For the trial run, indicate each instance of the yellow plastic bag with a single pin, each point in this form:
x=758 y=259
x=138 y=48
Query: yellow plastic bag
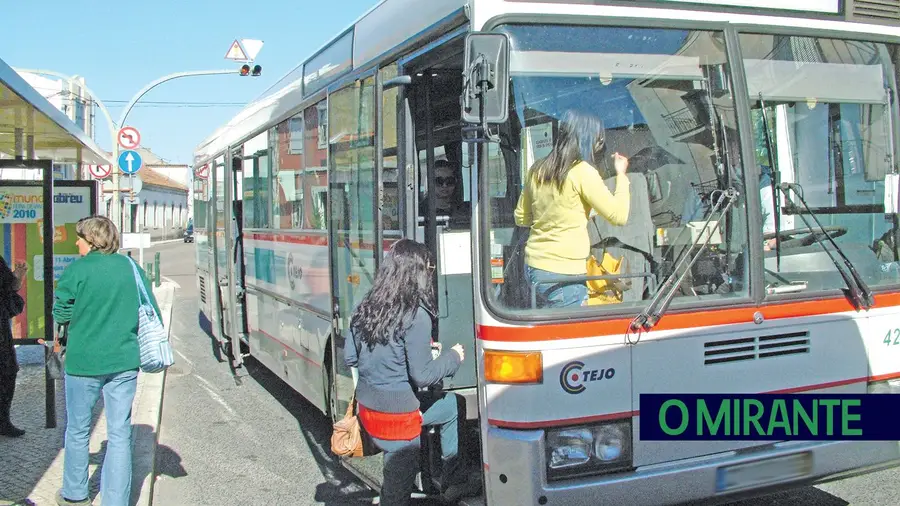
x=604 y=291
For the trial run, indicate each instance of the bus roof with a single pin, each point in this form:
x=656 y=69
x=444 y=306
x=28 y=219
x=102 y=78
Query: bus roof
x=359 y=44
x=388 y=26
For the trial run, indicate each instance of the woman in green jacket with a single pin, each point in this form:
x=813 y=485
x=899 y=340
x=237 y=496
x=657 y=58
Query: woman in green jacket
x=97 y=296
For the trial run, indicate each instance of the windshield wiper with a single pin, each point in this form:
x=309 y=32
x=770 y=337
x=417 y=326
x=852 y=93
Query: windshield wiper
x=649 y=317
x=776 y=216
x=859 y=291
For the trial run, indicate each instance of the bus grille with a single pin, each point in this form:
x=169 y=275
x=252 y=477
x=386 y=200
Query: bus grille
x=202 y=289
x=875 y=11
x=753 y=348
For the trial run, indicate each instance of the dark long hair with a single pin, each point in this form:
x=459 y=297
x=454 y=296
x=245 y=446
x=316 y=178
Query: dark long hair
x=403 y=283
x=580 y=136
x=7 y=278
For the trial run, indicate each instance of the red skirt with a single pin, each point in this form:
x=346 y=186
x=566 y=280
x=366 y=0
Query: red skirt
x=391 y=426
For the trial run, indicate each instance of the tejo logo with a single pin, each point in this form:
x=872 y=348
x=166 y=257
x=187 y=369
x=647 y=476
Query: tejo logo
x=573 y=376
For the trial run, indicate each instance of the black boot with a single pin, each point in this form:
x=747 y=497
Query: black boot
x=7 y=390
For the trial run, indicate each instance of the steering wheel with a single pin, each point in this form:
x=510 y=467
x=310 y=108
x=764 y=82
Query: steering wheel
x=788 y=239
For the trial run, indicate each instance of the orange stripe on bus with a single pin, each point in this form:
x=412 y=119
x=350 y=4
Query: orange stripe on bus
x=677 y=321
x=628 y=414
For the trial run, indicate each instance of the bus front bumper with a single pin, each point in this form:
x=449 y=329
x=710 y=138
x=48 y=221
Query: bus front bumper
x=516 y=472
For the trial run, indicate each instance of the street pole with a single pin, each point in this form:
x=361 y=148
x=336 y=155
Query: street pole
x=134 y=100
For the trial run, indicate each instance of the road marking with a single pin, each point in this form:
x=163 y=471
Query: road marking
x=216 y=397
x=183 y=357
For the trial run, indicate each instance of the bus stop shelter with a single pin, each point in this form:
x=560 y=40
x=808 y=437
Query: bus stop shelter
x=37 y=214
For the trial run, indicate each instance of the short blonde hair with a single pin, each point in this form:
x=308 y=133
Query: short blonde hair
x=99 y=232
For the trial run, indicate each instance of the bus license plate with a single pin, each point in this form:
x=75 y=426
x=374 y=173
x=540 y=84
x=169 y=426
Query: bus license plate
x=763 y=472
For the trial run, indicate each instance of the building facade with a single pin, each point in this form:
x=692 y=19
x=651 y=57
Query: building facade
x=162 y=202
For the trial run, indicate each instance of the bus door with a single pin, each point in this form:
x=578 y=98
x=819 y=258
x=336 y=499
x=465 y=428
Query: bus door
x=237 y=328
x=444 y=209
x=227 y=255
x=217 y=266
x=352 y=235
x=351 y=187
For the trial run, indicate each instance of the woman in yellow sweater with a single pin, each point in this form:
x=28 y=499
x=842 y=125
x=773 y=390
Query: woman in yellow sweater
x=557 y=197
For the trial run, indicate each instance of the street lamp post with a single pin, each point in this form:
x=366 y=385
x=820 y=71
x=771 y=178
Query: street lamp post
x=115 y=172
x=115 y=210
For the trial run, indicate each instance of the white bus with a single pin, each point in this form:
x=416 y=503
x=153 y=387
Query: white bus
x=762 y=140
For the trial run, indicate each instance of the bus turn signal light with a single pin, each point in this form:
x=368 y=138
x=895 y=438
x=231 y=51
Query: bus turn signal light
x=513 y=367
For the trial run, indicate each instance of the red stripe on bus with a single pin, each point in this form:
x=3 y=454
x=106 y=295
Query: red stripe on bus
x=676 y=321
x=313 y=240
x=820 y=386
x=884 y=377
x=309 y=240
x=273 y=338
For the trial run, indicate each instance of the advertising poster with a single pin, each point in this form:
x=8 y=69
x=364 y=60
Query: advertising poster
x=21 y=240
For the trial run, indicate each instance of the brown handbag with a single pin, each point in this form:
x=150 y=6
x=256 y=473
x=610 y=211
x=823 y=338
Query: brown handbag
x=347 y=436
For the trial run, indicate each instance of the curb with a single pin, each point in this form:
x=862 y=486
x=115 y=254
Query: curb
x=147 y=413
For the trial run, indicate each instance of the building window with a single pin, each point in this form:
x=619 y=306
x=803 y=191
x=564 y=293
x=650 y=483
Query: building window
x=295 y=146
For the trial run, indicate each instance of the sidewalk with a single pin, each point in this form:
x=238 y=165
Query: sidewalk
x=31 y=466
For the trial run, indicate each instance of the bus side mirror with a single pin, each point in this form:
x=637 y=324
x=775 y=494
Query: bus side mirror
x=486 y=78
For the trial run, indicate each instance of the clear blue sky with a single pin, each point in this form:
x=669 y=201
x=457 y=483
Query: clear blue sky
x=120 y=46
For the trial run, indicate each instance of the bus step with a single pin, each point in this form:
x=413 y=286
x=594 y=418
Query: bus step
x=472 y=501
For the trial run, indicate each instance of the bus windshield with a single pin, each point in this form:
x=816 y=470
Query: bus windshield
x=664 y=97
x=826 y=103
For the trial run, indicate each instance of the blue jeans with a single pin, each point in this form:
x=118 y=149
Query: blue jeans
x=565 y=294
x=82 y=393
x=401 y=458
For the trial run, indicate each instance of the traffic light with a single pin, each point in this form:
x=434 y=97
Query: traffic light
x=245 y=70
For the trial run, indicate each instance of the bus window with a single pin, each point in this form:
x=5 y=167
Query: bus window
x=257 y=184
x=390 y=204
x=287 y=193
x=314 y=180
x=825 y=103
x=661 y=98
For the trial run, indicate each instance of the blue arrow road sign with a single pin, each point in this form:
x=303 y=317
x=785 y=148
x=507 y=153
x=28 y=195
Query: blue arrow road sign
x=130 y=161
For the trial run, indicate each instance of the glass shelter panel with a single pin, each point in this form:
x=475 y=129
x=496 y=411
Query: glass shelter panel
x=662 y=98
x=826 y=105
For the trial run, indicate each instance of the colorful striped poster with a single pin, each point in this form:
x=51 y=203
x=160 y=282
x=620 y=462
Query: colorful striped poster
x=21 y=240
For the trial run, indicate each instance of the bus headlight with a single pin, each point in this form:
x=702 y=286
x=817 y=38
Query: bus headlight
x=588 y=450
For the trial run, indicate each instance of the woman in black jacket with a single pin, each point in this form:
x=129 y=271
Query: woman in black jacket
x=11 y=304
